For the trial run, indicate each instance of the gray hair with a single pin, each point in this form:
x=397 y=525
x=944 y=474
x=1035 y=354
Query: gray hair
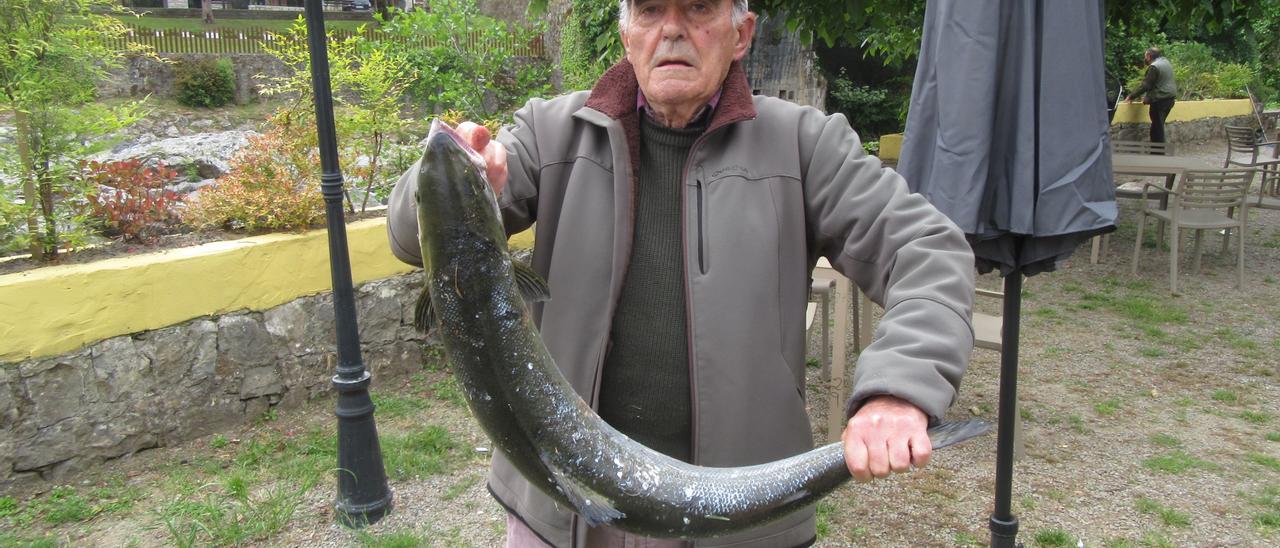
x=739 y=12
x=1154 y=52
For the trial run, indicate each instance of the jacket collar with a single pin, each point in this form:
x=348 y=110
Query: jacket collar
x=614 y=95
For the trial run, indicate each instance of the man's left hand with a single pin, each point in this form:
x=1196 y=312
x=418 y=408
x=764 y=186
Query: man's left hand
x=887 y=434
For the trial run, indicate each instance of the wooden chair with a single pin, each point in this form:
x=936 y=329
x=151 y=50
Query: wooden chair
x=1244 y=148
x=1197 y=199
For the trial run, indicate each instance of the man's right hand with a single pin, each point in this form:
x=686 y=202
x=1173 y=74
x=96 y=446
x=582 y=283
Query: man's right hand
x=493 y=153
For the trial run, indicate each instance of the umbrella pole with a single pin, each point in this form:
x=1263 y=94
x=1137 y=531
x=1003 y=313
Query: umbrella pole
x=1004 y=525
x=363 y=495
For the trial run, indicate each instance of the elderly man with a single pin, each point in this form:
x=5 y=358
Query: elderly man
x=678 y=219
x=1158 y=89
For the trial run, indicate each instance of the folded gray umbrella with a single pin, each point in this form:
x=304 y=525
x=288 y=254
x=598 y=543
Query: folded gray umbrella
x=1007 y=135
x=1007 y=132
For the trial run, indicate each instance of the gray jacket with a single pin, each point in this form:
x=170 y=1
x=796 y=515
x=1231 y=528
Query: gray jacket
x=769 y=188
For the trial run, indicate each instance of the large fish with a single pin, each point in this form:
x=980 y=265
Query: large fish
x=473 y=296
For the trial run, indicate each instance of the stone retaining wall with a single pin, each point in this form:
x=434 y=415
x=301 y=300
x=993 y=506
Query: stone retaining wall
x=141 y=76
x=1186 y=131
x=124 y=394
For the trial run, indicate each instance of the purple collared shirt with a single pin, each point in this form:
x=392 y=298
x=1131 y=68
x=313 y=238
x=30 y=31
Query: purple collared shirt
x=642 y=104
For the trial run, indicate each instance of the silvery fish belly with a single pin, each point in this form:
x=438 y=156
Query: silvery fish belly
x=475 y=297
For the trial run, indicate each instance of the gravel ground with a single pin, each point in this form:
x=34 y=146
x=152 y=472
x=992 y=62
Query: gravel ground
x=1148 y=420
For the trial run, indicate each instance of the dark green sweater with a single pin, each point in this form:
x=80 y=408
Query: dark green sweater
x=644 y=390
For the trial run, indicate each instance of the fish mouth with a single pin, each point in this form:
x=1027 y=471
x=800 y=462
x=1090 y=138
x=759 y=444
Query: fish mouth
x=442 y=130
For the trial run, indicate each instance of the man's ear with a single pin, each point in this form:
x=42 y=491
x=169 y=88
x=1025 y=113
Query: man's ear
x=746 y=31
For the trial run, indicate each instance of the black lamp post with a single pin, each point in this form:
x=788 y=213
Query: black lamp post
x=363 y=496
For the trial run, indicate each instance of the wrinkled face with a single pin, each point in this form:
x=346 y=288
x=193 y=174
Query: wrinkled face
x=682 y=49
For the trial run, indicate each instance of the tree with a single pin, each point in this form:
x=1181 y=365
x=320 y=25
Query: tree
x=206 y=11
x=54 y=52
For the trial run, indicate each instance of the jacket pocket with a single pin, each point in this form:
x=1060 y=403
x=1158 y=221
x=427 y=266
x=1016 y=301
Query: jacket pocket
x=701 y=201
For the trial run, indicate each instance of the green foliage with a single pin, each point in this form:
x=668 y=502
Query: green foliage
x=272 y=185
x=130 y=199
x=589 y=42
x=369 y=79
x=55 y=52
x=871 y=111
x=463 y=59
x=204 y=82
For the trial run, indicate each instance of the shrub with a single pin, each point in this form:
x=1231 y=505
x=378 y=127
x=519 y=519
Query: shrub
x=871 y=111
x=204 y=82
x=130 y=199
x=272 y=184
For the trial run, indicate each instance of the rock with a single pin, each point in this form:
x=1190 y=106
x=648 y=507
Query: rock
x=189 y=187
x=208 y=155
x=260 y=381
x=123 y=373
x=183 y=355
x=55 y=443
x=58 y=393
x=243 y=344
x=378 y=309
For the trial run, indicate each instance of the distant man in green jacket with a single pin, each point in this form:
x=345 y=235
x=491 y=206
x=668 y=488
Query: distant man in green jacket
x=1159 y=88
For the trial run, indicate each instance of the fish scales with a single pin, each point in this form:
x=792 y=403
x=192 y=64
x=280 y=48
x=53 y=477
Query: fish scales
x=534 y=416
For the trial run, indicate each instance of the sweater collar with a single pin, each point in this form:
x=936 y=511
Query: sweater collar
x=615 y=94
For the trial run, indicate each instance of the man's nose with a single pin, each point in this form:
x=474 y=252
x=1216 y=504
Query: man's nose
x=673 y=24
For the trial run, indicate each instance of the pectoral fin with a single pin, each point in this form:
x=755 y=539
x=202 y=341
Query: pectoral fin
x=532 y=287
x=424 y=316
x=594 y=508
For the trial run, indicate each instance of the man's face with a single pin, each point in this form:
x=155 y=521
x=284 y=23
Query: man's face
x=682 y=49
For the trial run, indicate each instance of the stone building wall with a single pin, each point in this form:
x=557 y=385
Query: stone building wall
x=780 y=66
x=125 y=394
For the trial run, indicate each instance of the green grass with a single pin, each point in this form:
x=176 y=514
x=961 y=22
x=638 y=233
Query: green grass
x=825 y=510
x=1177 y=462
x=420 y=453
x=1225 y=396
x=11 y=540
x=395 y=539
x=391 y=407
x=234 y=511
x=1165 y=440
x=1107 y=407
x=965 y=538
x=1264 y=460
x=219 y=441
x=1268 y=502
x=1056 y=538
x=1167 y=515
x=1256 y=417
x=447 y=390
x=1273 y=436
x=1156 y=539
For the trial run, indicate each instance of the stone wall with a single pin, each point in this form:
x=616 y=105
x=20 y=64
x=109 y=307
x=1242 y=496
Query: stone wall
x=141 y=76
x=124 y=394
x=1189 y=131
x=781 y=66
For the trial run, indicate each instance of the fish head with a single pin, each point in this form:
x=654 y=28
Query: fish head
x=455 y=201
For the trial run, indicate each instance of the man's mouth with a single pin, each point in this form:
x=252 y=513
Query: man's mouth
x=673 y=63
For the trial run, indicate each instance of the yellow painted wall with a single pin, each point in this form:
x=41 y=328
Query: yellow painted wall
x=890 y=147
x=57 y=309
x=1183 y=111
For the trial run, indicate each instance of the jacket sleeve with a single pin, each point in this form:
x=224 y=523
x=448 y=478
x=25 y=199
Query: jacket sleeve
x=1148 y=83
x=517 y=200
x=904 y=254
